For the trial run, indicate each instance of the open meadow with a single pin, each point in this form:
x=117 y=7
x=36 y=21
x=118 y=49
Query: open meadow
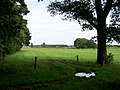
x=55 y=69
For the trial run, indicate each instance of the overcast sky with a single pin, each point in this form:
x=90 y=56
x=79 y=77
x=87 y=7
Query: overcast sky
x=52 y=30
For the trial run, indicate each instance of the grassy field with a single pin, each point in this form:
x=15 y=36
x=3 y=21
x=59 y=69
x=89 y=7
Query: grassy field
x=56 y=68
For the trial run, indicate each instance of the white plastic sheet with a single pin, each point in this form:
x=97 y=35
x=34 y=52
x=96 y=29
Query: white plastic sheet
x=87 y=75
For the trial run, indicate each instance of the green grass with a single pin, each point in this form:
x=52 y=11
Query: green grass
x=56 y=69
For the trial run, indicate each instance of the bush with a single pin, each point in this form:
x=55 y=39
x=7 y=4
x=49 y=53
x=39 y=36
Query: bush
x=110 y=58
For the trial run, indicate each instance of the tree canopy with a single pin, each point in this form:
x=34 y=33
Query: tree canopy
x=92 y=14
x=84 y=43
x=13 y=27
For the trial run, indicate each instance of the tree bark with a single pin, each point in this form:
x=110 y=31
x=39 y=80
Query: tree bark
x=101 y=51
x=101 y=31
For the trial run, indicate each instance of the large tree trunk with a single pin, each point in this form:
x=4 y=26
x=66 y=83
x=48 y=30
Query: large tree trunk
x=101 y=52
x=101 y=33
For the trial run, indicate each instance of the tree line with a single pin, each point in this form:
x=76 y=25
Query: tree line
x=13 y=27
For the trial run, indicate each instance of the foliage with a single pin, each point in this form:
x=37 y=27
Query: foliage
x=31 y=45
x=43 y=45
x=92 y=14
x=113 y=33
x=91 y=44
x=84 y=43
x=13 y=32
x=110 y=57
x=84 y=11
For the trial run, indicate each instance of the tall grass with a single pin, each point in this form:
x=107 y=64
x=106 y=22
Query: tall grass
x=56 y=69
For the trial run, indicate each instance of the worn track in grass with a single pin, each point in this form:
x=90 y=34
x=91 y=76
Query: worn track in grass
x=38 y=85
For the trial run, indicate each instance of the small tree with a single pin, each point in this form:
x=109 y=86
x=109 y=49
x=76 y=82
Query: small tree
x=43 y=45
x=31 y=45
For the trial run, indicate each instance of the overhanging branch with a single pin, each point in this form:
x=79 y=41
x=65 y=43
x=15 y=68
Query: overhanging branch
x=107 y=7
x=92 y=23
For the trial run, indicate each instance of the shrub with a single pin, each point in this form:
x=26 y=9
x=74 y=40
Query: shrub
x=110 y=58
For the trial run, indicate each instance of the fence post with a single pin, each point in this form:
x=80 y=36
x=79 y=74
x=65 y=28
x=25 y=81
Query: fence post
x=35 y=63
x=77 y=58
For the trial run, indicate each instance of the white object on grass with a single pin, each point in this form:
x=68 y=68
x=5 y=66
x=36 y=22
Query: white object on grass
x=87 y=75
